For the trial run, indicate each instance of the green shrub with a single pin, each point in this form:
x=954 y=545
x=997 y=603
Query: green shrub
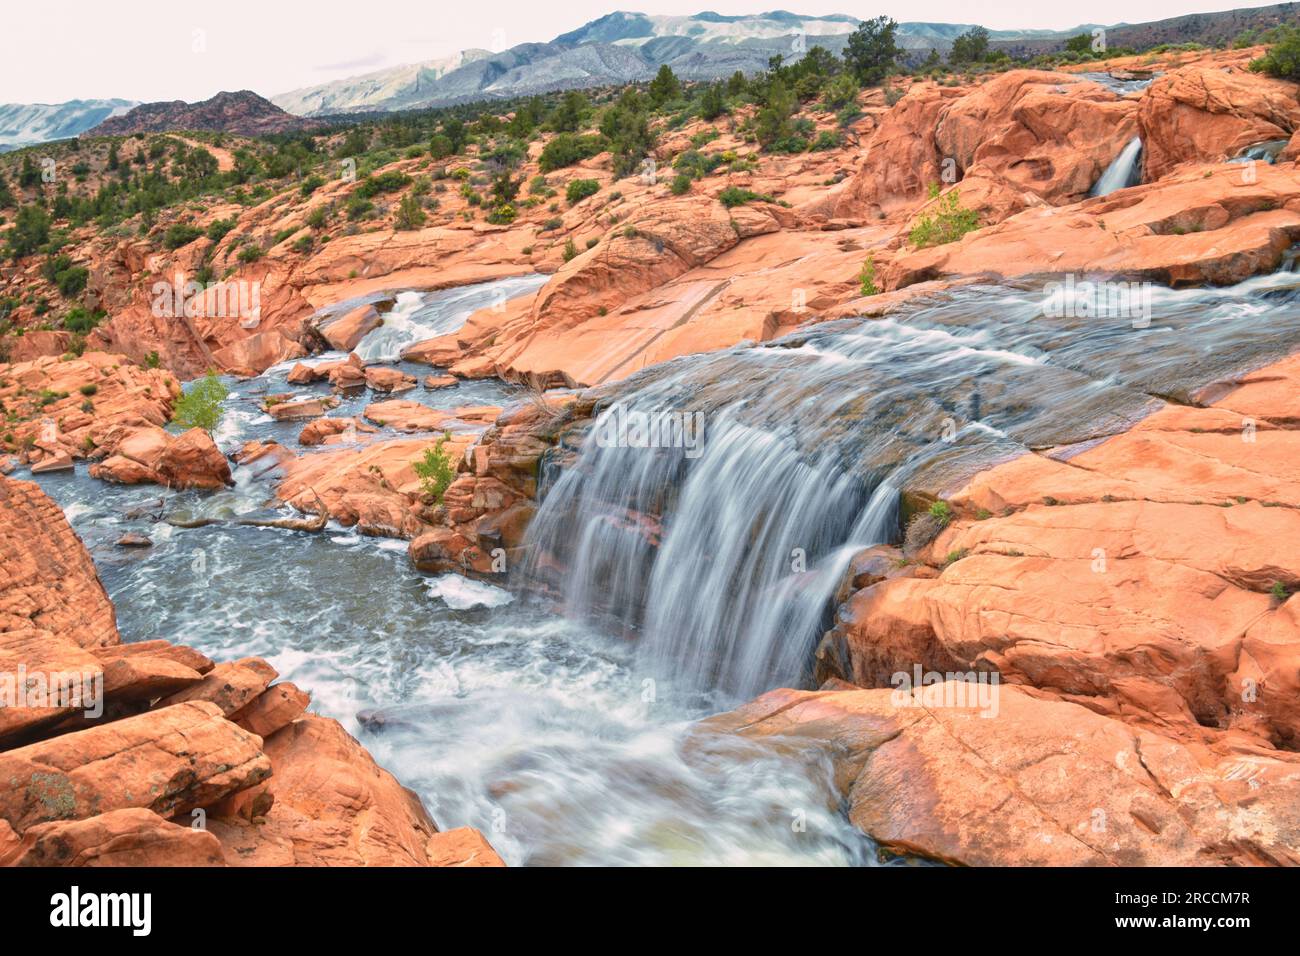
x=152 y=360
x=681 y=184
x=580 y=189
x=942 y=511
x=435 y=471
x=1283 y=58
x=200 y=407
x=410 y=215
x=867 y=278
x=250 y=253
x=570 y=250
x=734 y=196
x=388 y=182
x=568 y=148
x=79 y=320
x=316 y=218
x=947 y=222
x=180 y=234
x=218 y=228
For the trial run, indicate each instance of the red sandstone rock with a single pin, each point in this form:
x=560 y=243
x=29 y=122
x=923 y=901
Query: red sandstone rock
x=1200 y=114
x=168 y=761
x=382 y=379
x=347 y=331
x=129 y=837
x=149 y=454
x=1012 y=779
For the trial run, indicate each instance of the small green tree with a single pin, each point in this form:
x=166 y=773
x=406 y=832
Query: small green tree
x=410 y=216
x=867 y=278
x=665 y=87
x=435 y=470
x=971 y=47
x=871 y=50
x=200 y=407
x=30 y=231
x=772 y=125
x=713 y=102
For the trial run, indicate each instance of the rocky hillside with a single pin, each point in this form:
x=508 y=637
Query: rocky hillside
x=244 y=112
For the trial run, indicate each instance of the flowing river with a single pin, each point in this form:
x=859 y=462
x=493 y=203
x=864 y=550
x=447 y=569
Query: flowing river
x=564 y=734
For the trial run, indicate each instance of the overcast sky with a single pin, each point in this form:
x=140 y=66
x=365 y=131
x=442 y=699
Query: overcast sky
x=174 y=49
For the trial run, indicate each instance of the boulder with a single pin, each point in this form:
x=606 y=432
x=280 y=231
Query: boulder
x=127 y=837
x=382 y=379
x=1200 y=114
x=147 y=453
x=168 y=760
x=1000 y=777
x=346 y=332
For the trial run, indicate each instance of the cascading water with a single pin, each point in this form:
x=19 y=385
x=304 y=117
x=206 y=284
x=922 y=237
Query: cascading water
x=416 y=316
x=1124 y=171
x=566 y=745
x=725 y=562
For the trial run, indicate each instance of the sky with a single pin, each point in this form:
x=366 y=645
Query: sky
x=176 y=49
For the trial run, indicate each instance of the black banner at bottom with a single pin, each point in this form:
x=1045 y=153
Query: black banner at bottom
x=136 y=906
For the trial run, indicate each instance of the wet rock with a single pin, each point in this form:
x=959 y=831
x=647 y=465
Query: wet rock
x=61 y=461
x=276 y=707
x=1013 y=779
x=333 y=806
x=47 y=580
x=432 y=382
x=148 y=454
x=1135 y=578
x=302 y=408
x=181 y=654
x=133 y=539
x=346 y=332
x=382 y=379
x=322 y=429
x=463 y=846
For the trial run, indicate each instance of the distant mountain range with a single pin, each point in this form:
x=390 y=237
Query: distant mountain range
x=23 y=124
x=616 y=48
x=243 y=112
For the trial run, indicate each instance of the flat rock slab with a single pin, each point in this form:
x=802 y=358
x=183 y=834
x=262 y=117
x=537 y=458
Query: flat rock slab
x=168 y=760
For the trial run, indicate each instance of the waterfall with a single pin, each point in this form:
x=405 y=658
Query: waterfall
x=722 y=561
x=1125 y=171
